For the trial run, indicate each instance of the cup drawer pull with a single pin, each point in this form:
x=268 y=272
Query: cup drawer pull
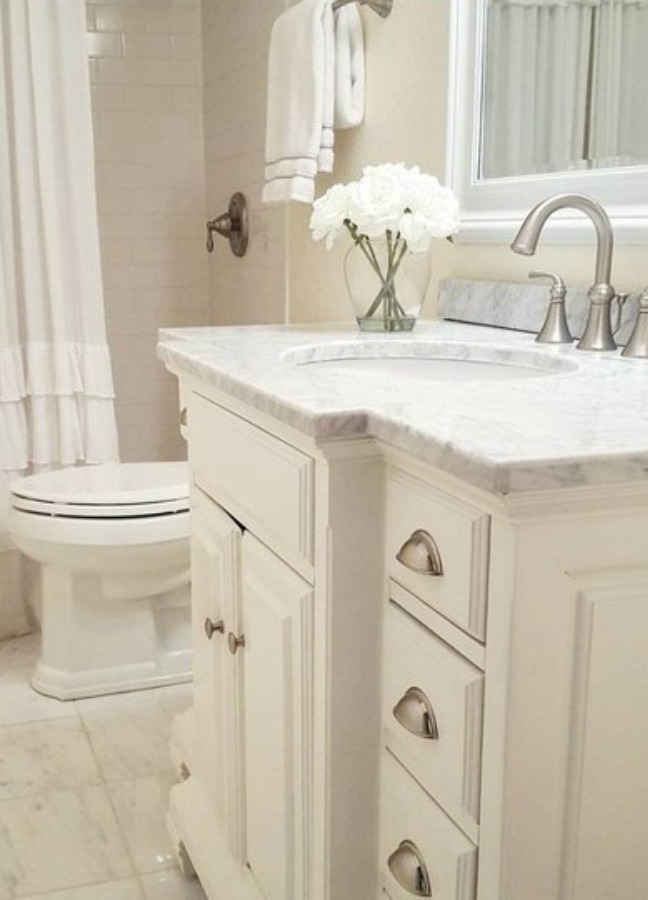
x=408 y=868
x=414 y=712
x=421 y=554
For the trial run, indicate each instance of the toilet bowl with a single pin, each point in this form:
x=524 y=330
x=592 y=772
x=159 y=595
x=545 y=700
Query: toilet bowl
x=112 y=542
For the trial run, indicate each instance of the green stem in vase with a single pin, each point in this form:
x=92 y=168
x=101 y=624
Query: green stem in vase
x=393 y=313
x=388 y=290
x=363 y=242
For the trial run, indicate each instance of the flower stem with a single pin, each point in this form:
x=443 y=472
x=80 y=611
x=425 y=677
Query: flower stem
x=392 y=311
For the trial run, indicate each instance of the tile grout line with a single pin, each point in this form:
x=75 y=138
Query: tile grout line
x=105 y=784
x=102 y=782
x=46 y=721
x=76 y=887
x=136 y=874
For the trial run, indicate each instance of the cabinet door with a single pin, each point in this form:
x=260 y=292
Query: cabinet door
x=277 y=611
x=215 y=565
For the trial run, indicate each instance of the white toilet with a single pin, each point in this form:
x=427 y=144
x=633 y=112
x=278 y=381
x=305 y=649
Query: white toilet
x=113 y=545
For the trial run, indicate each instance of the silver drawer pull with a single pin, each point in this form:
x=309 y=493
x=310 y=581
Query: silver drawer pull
x=421 y=554
x=408 y=868
x=183 y=416
x=414 y=712
x=212 y=627
x=234 y=642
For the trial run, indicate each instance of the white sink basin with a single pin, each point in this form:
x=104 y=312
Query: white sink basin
x=415 y=360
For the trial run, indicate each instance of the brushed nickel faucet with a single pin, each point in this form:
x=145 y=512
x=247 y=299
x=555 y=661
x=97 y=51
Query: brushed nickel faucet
x=598 y=329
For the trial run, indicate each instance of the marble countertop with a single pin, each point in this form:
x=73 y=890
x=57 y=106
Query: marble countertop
x=583 y=421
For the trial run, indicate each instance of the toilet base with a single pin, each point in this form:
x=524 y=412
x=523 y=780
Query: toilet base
x=98 y=640
x=173 y=668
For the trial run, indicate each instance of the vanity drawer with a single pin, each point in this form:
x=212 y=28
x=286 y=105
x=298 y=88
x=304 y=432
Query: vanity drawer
x=437 y=547
x=432 y=715
x=412 y=827
x=263 y=482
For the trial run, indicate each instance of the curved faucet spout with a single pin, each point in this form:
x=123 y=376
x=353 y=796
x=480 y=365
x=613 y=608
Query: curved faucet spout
x=598 y=330
x=526 y=240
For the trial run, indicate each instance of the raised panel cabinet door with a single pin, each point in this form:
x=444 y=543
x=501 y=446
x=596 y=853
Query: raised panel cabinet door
x=278 y=629
x=215 y=569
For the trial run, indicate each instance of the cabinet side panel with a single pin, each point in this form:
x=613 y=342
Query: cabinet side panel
x=354 y=595
x=608 y=775
x=575 y=726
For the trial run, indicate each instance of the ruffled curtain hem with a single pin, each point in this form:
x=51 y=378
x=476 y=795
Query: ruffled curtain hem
x=41 y=369
x=62 y=430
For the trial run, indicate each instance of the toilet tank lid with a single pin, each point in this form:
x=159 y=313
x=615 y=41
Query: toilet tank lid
x=116 y=483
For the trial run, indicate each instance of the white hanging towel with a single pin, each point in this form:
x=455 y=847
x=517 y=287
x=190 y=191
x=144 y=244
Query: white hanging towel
x=349 y=68
x=302 y=97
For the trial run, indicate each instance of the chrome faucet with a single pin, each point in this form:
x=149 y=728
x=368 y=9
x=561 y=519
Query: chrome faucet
x=598 y=330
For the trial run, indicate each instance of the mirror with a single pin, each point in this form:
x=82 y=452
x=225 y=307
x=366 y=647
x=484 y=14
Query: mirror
x=548 y=96
x=564 y=86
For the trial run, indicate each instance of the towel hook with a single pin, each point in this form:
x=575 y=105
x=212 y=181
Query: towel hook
x=233 y=225
x=382 y=7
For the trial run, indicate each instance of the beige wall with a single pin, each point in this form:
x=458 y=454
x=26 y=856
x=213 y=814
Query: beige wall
x=236 y=34
x=146 y=74
x=407 y=58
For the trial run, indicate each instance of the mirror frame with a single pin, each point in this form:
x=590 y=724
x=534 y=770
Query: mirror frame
x=493 y=209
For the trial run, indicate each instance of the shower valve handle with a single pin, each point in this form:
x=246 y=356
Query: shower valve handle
x=233 y=225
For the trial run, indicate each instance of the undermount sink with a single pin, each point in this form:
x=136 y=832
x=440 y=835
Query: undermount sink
x=420 y=360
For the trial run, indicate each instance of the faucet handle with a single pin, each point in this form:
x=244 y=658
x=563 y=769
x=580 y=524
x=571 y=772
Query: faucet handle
x=637 y=346
x=618 y=302
x=558 y=290
x=555 y=329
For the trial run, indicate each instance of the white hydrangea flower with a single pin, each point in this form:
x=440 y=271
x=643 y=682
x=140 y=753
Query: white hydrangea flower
x=410 y=204
x=329 y=214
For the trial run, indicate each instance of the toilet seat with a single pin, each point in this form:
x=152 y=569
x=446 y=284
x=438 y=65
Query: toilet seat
x=118 y=491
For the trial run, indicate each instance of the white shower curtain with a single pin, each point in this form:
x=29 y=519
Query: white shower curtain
x=56 y=390
x=56 y=406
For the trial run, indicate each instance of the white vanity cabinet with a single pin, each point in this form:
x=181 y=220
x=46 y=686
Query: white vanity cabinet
x=252 y=626
x=279 y=754
x=405 y=685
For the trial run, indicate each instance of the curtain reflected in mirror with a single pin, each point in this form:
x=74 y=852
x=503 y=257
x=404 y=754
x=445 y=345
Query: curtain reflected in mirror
x=565 y=86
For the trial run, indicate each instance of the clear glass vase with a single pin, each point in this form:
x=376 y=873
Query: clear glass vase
x=387 y=284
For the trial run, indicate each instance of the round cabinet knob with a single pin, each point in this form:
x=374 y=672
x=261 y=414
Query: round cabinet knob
x=408 y=868
x=234 y=642
x=421 y=554
x=414 y=712
x=212 y=627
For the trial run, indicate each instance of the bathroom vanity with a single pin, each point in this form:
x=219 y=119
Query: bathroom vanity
x=420 y=597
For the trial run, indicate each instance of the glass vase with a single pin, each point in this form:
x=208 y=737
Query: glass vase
x=387 y=284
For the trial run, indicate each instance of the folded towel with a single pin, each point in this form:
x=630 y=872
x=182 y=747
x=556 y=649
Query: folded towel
x=302 y=78
x=349 y=68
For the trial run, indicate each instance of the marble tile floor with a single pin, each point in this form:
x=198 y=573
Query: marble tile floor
x=83 y=791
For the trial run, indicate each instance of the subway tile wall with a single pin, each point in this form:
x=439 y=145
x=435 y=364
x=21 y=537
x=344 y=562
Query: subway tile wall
x=236 y=35
x=145 y=60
